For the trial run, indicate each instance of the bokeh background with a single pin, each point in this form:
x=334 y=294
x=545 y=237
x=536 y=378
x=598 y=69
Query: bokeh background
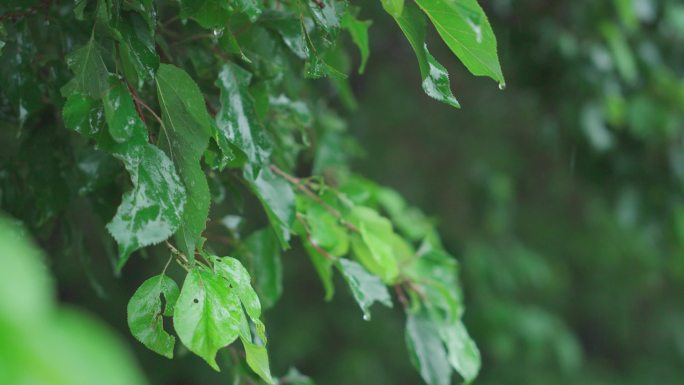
x=561 y=197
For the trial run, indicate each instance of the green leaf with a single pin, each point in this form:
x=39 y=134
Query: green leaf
x=327 y=14
x=257 y=359
x=435 y=77
x=358 y=30
x=90 y=72
x=137 y=49
x=463 y=356
x=291 y=31
x=464 y=27
x=152 y=211
x=145 y=313
x=326 y=230
x=207 y=315
x=185 y=135
x=237 y=121
x=278 y=199
x=232 y=270
x=84 y=115
x=393 y=7
x=426 y=349
x=208 y=13
x=263 y=249
x=366 y=288
x=120 y=113
x=373 y=247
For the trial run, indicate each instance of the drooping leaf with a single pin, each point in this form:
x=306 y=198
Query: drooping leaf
x=235 y=273
x=373 y=246
x=463 y=354
x=393 y=7
x=366 y=288
x=435 y=77
x=208 y=314
x=328 y=14
x=464 y=27
x=237 y=121
x=152 y=211
x=185 y=135
x=358 y=29
x=257 y=359
x=291 y=31
x=120 y=114
x=426 y=349
x=263 y=249
x=90 y=72
x=138 y=56
x=278 y=199
x=145 y=313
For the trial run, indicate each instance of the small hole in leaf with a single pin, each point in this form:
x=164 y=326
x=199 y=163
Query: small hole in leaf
x=195 y=300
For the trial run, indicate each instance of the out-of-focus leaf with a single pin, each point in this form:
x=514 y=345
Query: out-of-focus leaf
x=373 y=246
x=263 y=249
x=426 y=349
x=393 y=7
x=366 y=288
x=208 y=13
x=145 y=313
x=463 y=354
x=257 y=359
x=358 y=29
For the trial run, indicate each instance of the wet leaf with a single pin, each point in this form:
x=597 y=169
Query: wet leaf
x=263 y=249
x=145 y=314
x=435 y=77
x=90 y=72
x=464 y=27
x=366 y=288
x=185 y=135
x=207 y=315
x=278 y=199
x=358 y=29
x=426 y=349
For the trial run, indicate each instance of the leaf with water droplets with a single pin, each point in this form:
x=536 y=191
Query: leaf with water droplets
x=145 y=313
x=151 y=211
x=435 y=77
x=238 y=125
x=120 y=113
x=366 y=287
x=137 y=51
x=232 y=270
x=464 y=27
x=185 y=134
x=90 y=72
x=208 y=314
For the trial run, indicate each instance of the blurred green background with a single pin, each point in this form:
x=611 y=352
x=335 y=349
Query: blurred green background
x=560 y=196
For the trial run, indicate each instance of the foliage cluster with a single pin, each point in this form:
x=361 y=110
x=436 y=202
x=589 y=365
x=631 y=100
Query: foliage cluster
x=177 y=130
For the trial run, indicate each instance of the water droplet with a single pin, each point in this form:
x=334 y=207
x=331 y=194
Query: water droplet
x=218 y=32
x=502 y=86
x=366 y=317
